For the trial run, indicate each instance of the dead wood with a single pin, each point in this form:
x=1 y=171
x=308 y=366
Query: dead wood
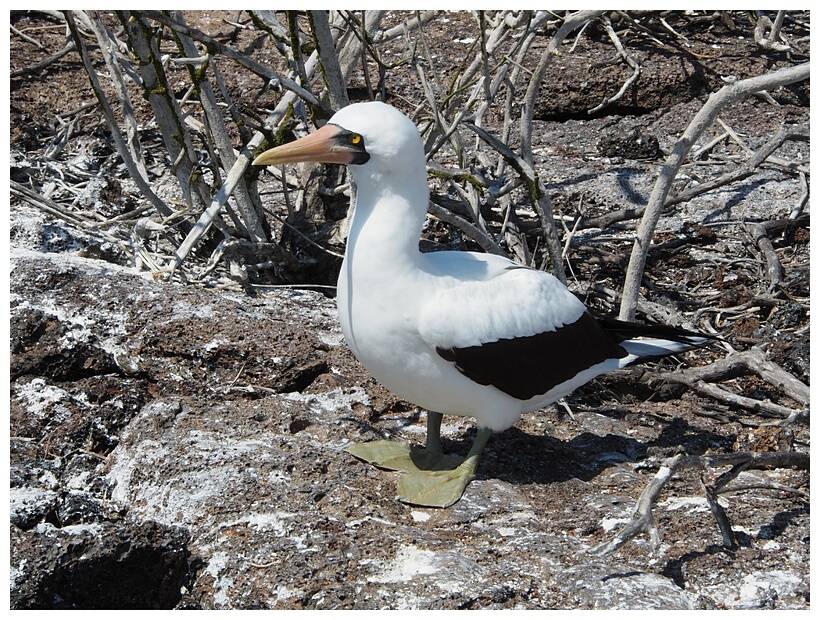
x=752 y=361
x=642 y=520
x=45 y=63
x=119 y=140
x=662 y=187
x=744 y=170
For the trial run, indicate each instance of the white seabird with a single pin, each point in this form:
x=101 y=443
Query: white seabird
x=457 y=333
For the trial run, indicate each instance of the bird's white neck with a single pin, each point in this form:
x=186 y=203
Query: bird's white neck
x=388 y=216
x=382 y=244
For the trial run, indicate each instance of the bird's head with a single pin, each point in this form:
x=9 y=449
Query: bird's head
x=374 y=136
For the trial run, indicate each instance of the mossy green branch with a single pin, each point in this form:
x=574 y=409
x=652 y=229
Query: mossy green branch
x=458 y=174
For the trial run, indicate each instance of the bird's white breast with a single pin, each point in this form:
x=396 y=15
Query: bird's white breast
x=383 y=313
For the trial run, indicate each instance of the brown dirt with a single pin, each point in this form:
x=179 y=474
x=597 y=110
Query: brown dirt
x=173 y=446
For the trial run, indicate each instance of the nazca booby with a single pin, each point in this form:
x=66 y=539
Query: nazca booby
x=458 y=333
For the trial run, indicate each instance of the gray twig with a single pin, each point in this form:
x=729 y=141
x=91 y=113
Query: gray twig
x=636 y=69
x=657 y=198
x=122 y=146
x=753 y=361
x=642 y=520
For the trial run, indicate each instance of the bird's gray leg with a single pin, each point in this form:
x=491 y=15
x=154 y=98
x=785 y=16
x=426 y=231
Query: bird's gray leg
x=433 y=442
x=482 y=437
x=404 y=457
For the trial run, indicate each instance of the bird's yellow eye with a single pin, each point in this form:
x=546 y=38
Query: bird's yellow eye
x=355 y=138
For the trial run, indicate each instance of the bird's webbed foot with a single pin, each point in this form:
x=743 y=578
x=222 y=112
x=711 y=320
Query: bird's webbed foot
x=400 y=456
x=428 y=477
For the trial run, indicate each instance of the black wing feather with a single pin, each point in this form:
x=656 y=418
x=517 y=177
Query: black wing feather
x=533 y=365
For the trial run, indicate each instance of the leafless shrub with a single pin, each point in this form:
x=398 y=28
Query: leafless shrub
x=477 y=122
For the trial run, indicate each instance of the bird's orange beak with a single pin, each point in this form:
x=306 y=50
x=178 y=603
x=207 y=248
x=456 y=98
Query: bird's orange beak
x=326 y=145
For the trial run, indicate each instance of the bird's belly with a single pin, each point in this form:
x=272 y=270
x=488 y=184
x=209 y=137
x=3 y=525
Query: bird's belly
x=382 y=331
x=409 y=368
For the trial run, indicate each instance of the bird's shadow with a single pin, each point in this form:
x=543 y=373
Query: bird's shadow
x=518 y=457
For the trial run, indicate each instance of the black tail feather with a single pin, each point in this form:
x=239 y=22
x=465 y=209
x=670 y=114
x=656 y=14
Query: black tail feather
x=625 y=330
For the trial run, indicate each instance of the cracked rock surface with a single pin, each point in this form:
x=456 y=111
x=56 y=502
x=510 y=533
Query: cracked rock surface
x=180 y=447
x=162 y=456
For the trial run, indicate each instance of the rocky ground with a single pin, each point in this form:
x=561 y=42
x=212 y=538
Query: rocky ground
x=179 y=446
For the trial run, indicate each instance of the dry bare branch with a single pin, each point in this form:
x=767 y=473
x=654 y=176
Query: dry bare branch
x=703 y=119
x=752 y=361
x=537 y=195
x=331 y=71
x=572 y=22
x=636 y=69
x=219 y=48
x=747 y=168
x=771 y=42
x=352 y=46
x=480 y=237
x=642 y=520
x=764 y=244
x=121 y=143
x=218 y=134
x=233 y=178
x=45 y=63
